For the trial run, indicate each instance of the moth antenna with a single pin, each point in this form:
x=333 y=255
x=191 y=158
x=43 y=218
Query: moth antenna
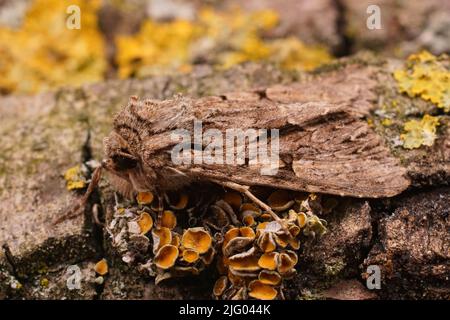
x=177 y=171
x=80 y=205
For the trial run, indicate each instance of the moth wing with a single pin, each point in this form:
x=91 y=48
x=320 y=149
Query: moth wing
x=322 y=148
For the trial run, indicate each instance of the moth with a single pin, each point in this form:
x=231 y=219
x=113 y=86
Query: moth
x=323 y=147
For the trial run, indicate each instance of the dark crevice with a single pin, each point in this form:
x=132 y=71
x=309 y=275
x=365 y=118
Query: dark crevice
x=10 y=260
x=95 y=200
x=346 y=43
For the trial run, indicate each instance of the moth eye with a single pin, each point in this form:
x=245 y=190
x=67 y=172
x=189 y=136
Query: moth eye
x=124 y=161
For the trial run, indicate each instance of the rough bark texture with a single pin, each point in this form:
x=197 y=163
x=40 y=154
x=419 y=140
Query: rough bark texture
x=42 y=136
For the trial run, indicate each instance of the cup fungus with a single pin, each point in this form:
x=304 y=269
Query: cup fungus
x=197 y=239
x=166 y=256
x=144 y=197
x=261 y=291
x=145 y=222
x=101 y=267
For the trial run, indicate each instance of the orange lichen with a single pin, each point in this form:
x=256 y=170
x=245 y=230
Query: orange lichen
x=266 y=242
x=166 y=256
x=269 y=277
x=181 y=203
x=245 y=261
x=145 y=222
x=234 y=199
x=101 y=267
x=190 y=255
x=261 y=291
x=250 y=207
x=197 y=239
x=168 y=219
x=229 y=235
x=280 y=200
x=144 y=197
x=208 y=256
x=220 y=286
x=269 y=260
x=247 y=232
x=301 y=219
x=286 y=261
x=176 y=241
x=161 y=237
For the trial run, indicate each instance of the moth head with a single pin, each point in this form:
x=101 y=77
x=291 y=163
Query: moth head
x=119 y=157
x=125 y=170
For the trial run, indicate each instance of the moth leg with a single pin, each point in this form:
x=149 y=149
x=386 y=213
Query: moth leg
x=78 y=208
x=246 y=191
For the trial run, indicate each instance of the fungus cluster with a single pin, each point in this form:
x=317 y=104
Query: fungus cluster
x=253 y=253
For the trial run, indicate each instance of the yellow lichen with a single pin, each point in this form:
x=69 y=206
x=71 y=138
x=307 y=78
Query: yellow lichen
x=74 y=178
x=222 y=38
x=418 y=133
x=425 y=76
x=43 y=53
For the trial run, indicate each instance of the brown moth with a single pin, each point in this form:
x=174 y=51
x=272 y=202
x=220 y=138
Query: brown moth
x=323 y=147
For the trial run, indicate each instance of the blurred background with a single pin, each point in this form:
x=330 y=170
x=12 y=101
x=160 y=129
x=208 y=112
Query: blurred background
x=141 y=38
